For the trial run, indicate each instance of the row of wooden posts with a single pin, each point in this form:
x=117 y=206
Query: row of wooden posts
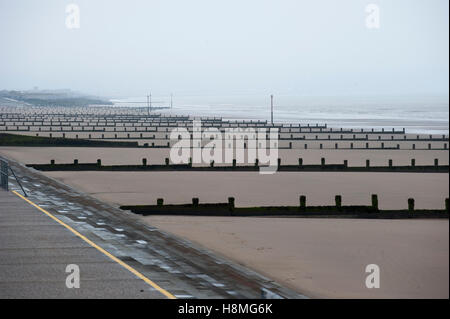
x=302 y=198
x=300 y=162
x=336 y=146
x=354 y=137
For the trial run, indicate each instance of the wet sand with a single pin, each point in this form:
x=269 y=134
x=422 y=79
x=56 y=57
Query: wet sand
x=326 y=258
x=251 y=188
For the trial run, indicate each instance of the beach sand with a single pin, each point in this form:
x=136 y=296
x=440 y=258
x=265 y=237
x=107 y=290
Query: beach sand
x=326 y=258
x=134 y=156
x=251 y=188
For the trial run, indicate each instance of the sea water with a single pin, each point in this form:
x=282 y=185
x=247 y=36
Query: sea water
x=417 y=114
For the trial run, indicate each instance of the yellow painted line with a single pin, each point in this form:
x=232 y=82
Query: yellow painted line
x=90 y=242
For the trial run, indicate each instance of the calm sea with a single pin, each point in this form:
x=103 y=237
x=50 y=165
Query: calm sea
x=421 y=114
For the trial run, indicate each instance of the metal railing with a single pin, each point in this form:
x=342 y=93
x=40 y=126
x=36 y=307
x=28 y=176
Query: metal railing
x=4 y=167
x=3 y=174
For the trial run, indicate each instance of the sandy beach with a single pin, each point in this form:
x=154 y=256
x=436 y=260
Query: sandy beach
x=134 y=156
x=326 y=258
x=252 y=188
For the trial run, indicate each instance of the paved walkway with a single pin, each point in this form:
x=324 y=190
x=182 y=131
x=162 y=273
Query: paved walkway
x=34 y=251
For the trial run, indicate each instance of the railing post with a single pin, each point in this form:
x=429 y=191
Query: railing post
x=4 y=174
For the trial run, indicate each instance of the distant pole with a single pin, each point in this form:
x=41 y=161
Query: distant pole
x=150 y=96
x=171 y=98
x=271 y=109
x=148 y=105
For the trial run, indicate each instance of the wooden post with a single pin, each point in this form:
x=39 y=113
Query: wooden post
x=375 y=201
x=338 y=200
x=302 y=201
x=411 y=204
x=231 y=203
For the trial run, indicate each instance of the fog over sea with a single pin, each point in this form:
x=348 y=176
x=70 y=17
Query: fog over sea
x=419 y=114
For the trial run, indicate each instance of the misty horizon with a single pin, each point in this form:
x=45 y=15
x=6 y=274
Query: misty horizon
x=321 y=48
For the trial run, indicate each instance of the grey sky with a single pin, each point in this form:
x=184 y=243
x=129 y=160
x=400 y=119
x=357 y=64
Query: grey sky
x=314 y=47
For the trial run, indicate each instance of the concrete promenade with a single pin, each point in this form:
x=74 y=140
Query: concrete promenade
x=35 y=251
